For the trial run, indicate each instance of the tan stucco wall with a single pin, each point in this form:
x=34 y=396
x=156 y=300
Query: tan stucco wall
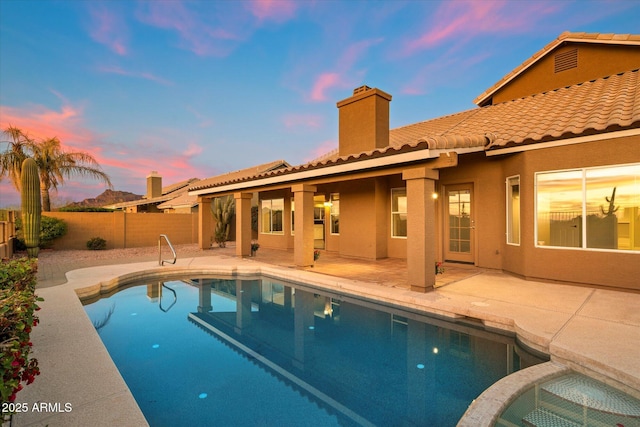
x=594 y=61
x=488 y=204
x=488 y=175
x=283 y=240
x=396 y=247
x=363 y=228
x=124 y=230
x=617 y=269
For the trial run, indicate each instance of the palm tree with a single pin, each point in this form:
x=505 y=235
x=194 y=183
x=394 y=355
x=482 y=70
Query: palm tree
x=11 y=160
x=56 y=164
x=53 y=162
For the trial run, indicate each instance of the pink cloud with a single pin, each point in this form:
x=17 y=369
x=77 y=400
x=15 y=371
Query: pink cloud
x=456 y=20
x=323 y=83
x=355 y=51
x=302 y=120
x=192 y=150
x=127 y=163
x=198 y=31
x=343 y=76
x=322 y=149
x=108 y=28
x=40 y=122
x=440 y=73
x=275 y=10
x=141 y=75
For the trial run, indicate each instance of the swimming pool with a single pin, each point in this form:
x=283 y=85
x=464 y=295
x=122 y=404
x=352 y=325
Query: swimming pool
x=258 y=351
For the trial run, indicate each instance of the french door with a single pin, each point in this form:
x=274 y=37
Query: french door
x=459 y=224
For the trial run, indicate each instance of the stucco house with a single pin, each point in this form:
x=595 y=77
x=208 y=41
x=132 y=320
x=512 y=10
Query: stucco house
x=541 y=180
x=172 y=198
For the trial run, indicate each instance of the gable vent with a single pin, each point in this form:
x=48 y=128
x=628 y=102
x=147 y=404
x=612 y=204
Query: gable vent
x=566 y=60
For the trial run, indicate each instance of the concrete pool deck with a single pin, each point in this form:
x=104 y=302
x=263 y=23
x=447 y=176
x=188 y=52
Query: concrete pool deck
x=593 y=331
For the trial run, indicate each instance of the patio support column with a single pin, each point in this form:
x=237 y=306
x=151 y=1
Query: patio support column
x=303 y=239
x=421 y=253
x=205 y=223
x=243 y=223
x=204 y=297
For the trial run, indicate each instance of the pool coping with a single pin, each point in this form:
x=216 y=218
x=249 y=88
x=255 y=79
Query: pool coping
x=67 y=345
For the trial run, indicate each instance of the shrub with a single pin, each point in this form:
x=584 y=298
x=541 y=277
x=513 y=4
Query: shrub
x=17 y=307
x=96 y=244
x=50 y=229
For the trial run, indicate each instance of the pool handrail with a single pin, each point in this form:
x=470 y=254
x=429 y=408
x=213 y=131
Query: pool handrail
x=160 y=260
x=175 y=298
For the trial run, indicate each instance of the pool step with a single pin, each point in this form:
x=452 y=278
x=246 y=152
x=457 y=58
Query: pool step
x=544 y=418
x=588 y=393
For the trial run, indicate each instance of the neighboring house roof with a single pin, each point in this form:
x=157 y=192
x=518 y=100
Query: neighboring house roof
x=602 y=105
x=620 y=39
x=183 y=200
x=240 y=174
x=168 y=193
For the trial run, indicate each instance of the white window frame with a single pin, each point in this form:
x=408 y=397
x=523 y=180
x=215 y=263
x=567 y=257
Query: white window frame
x=270 y=201
x=293 y=209
x=395 y=190
x=509 y=210
x=333 y=197
x=584 y=210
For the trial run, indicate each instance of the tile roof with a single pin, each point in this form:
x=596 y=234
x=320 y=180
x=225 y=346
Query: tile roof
x=598 y=106
x=563 y=38
x=240 y=174
x=168 y=192
x=183 y=199
x=586 y=108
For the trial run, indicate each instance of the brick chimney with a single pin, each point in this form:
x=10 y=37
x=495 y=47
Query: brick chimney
x=363 y=121
x=154 y=185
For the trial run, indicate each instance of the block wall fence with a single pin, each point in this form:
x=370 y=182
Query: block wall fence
x=125 y=230
x=7 y=232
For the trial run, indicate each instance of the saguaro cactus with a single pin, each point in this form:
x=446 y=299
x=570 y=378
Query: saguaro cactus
x=31 y=206
x=222 y=209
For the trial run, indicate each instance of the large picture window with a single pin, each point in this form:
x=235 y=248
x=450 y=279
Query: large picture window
x=591 y=208
x=334 y=213
x=272 y=216
x=513 y=210
x=399 y=212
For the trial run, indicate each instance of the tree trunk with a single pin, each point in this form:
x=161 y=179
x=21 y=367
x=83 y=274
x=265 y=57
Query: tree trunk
x=46 y=202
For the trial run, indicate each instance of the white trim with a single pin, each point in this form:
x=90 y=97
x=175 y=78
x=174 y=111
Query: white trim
x=331 y=233
x=385 y=161
x=322 y=171
x=260 y=220
x=562 y=142
x=508 y=209
x=396 y=189
x=583 y=171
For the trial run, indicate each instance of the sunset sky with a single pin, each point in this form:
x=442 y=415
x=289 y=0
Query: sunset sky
x=195 y=89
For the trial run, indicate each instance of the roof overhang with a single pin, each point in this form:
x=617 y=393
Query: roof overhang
x=335 y=170
x=561 y=142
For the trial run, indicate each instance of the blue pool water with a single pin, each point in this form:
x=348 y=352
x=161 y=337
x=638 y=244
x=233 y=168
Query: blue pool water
x=260 y=352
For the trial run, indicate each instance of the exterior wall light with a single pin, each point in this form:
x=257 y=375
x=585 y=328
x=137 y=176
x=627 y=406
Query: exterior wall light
x=434 y=196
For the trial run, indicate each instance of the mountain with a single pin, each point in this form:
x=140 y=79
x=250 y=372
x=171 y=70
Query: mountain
x=109 y=197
